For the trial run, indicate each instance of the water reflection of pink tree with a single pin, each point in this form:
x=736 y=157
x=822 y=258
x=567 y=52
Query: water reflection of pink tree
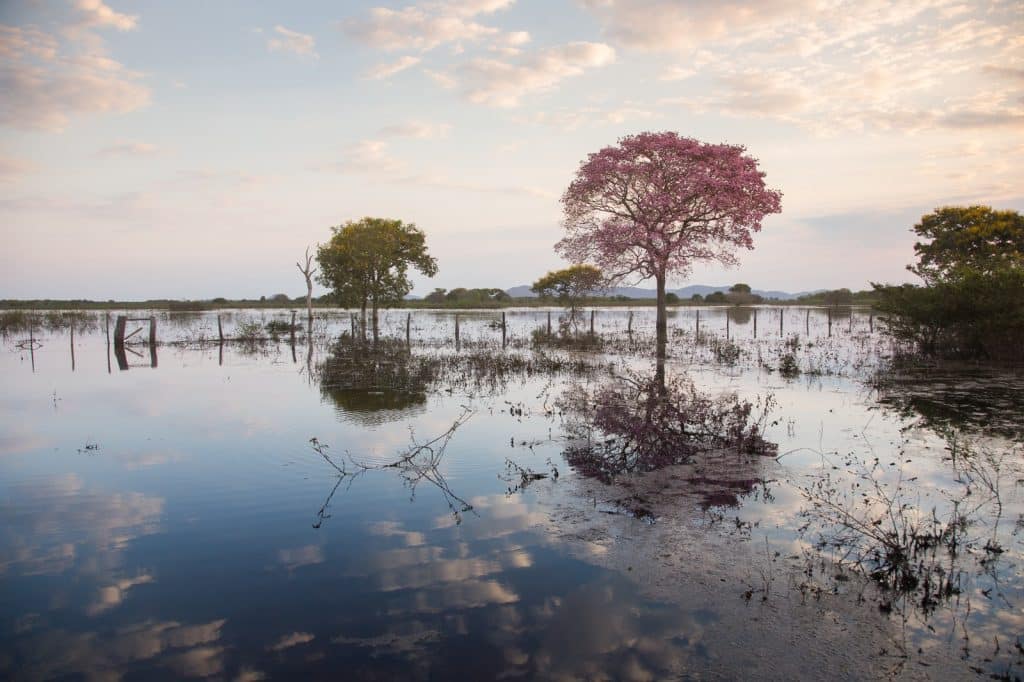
x=637 y=423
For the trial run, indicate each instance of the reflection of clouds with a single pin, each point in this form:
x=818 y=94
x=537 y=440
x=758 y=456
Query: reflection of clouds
x=111 y=596
x=292 y=639
x=296 y=557
x=44 y=529
x=386 y=528
x=187 y=650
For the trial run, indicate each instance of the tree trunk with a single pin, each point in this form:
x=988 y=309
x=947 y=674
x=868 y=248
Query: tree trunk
x=309 y=304
x=362 y=326
x=375 y=325
x=661 y=323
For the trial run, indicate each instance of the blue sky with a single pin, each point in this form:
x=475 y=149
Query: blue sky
x=194 y=149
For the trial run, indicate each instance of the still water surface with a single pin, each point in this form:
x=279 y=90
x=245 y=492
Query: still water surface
x=175 y=521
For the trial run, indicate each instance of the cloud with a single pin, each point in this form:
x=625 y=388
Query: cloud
x=427 y=25
x=94 y=13
x=287 y=40
x=373 y=158
x=12 y=169
x=503 y=84
x=388 y=69
x=574 y=119
x=416 y=129
x=47 y=81
x=128 y=149
x=680 y=25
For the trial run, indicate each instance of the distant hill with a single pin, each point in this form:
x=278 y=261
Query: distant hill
x=523 y=291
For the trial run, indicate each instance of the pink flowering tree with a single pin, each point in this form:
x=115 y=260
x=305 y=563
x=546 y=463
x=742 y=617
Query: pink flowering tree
x=656 y=203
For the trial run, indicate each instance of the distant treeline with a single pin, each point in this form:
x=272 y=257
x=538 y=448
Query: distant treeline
x=439 y=298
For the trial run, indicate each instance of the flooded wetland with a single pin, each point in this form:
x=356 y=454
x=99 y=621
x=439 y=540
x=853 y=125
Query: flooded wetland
x=474 y=497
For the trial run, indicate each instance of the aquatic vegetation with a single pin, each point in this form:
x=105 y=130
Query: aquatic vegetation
x=639 y=423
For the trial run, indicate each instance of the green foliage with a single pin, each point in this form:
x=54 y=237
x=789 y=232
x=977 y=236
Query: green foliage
x=570 y=286
x=977 y=238
x=697 y=298
x=973 y=301
x=838 y=297
x=671 y=298
x=739 y=288
x=716 y=297
x=367 y=262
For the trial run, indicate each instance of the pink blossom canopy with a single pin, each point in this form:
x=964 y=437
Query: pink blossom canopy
x=657 y=202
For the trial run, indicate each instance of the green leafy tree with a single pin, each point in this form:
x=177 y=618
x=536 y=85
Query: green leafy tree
x=569 y=287
x=978 y=238
x=972 y=304
x=366 y=264
x=436 y=296
x=838 y=297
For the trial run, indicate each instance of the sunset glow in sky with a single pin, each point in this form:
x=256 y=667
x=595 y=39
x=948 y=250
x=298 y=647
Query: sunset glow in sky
x=194 y=149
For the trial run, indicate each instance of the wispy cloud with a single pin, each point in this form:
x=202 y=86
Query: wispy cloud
x=388 y=69
x=500 y=83
x=427 y=25
x=128 y=149
x=416 y=129
x=287 y=40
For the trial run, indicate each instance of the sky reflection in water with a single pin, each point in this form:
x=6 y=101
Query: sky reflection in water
x=172 y=521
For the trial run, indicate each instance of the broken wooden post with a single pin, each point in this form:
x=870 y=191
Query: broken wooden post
x=106 y=324
x=504 y=330
x=119 y=327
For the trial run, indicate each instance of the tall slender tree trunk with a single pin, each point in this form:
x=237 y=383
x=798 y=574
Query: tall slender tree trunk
x=375 y=323
x=661 y=324
x=362 y=325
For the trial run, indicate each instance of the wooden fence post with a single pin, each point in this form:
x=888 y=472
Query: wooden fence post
x=829 y=311
x=408 y=329
x=781 y=315
x=456 y=329
x=591 y=321
x=504 y=329
x=629 y=325
x=755 y=323
x=726 y=324
x=807 y=331
x=871 y=321
x=696 y=334
x=152 y=330
x=220 y=330
x=549 y=323
x=72 y=345
x=106 y=324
